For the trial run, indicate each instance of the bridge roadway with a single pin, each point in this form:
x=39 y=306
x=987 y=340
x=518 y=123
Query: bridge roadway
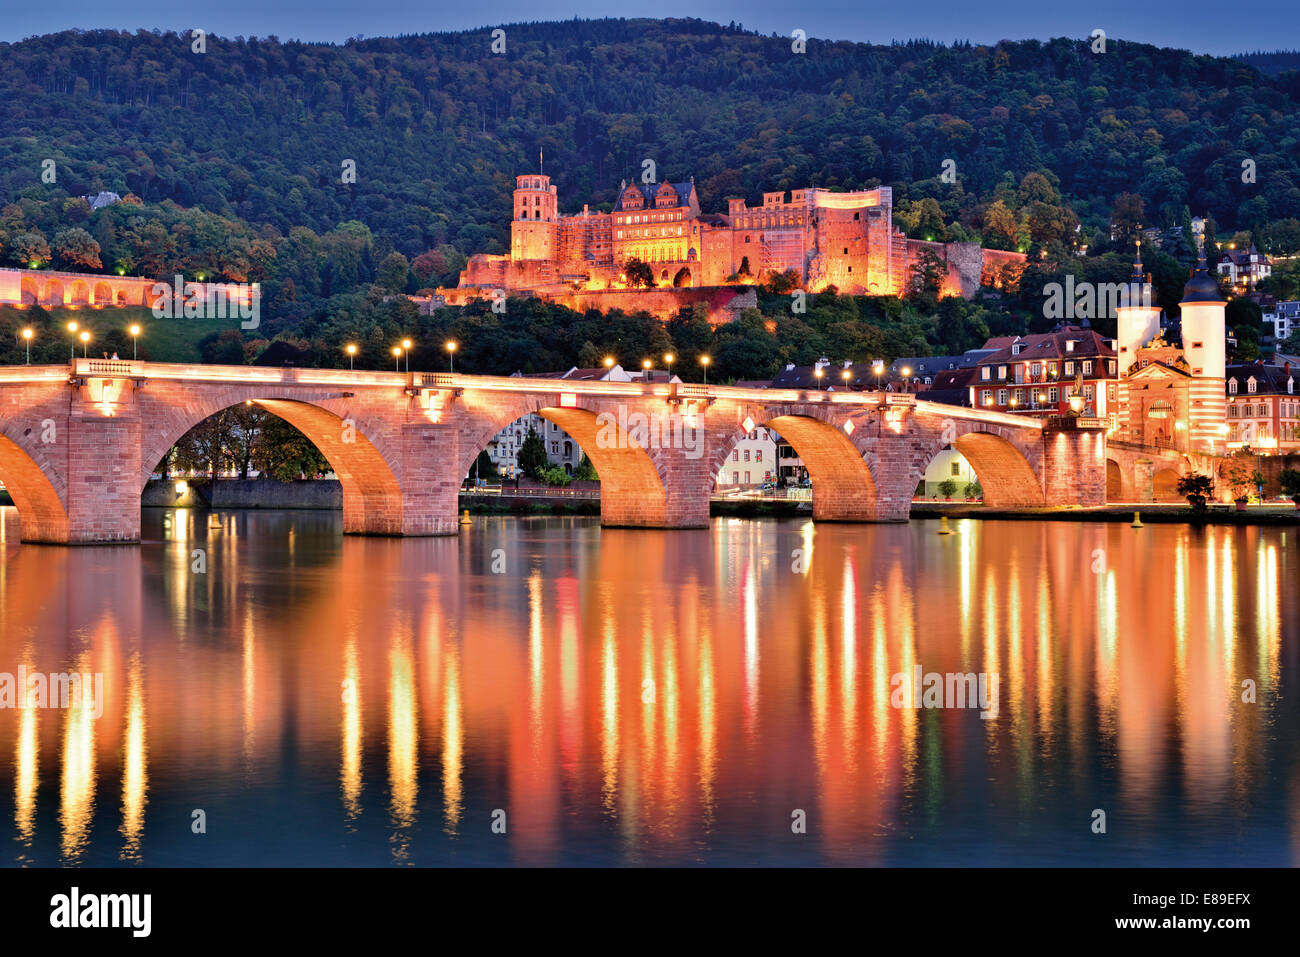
x=78 y=442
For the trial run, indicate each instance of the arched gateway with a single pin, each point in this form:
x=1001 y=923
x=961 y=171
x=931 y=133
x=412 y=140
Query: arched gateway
x=79 y=441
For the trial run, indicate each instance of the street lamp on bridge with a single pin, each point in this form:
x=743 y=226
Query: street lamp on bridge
x=397 y=358
x=72 y=346
x=704 y=361
x=135 y=331
x=609 y=362
x=406 y=348
x=351 y=350
x=85 y=345
x=451 y=354
x=27 y=339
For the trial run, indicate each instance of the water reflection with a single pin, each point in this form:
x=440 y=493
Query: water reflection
x=643 y=697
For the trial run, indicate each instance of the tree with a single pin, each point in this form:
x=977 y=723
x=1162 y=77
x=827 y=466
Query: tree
x=285 y=454
x=1197 y=489
x=586 y=472
x=947 y=487
x=76 y=250
x=29 y=250
x=393 y=273
x=639 y=273
x=1238 y=472
x=484 y=467
x=532 y=455
x=554 y=475
x=974 y=490
x=1290 y=480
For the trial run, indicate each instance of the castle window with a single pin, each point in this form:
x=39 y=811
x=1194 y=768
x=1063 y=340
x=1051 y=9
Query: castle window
x=846 y=250
x=857 y=216
x=1198 y=345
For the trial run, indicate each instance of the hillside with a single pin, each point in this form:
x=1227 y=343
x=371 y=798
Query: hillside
x=257 y=129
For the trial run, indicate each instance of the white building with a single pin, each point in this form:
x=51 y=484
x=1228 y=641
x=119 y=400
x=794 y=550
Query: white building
x=752 y=462
x=948 y=465
x=1285 y=317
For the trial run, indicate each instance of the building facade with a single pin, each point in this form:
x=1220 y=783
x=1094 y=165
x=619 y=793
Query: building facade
x=1037 y=374
x=1263 y=407
x=752 y=462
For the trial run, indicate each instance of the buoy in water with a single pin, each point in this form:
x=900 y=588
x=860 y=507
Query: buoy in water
x=1137 y=520
x=465 y=519
x=214 y=521
x=943 y=526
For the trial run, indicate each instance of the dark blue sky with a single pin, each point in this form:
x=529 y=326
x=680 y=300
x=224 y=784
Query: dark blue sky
x=1200 y=25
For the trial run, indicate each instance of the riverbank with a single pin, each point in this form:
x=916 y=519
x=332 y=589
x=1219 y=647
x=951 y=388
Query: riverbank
x=1148 y=513
x=328 y=495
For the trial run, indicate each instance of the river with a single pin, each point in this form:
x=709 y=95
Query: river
x=542 y=691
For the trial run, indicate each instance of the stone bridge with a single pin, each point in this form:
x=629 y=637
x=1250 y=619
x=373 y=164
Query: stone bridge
x=79 y=441
x=1143 y=473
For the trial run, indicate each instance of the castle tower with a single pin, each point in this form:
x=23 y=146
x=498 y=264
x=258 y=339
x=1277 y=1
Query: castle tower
x=535 y=220
x=1138 y=317
x=1203 y=324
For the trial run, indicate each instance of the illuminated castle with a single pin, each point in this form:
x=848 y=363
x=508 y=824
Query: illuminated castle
x=847 y=240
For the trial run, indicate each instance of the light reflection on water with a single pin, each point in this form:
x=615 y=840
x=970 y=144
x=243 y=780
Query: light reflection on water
x=641 y=697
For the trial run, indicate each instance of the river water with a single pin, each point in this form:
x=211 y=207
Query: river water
x=542 y=691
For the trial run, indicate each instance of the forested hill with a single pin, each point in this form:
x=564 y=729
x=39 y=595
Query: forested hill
x=438 y=125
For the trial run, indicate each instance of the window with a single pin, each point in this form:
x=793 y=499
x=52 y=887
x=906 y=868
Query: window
x=956 y=468
x=735 y=455
x=1015 y=349
x=735 y=478
x=1087 y=367
x=1088 y=392
x=746 y=478
x=1051 y=368
x=1069 y=347
x=1002 y=396
x=987 y=397
x=1035 y=369
x=1002 y=372
x=1053 y=394
x=1198 y=345
x=758 y=455
x=1069 y=368
x=986 y=373
x=746 y=455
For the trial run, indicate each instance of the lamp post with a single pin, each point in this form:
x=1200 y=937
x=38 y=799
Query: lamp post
x=27 y=339
x=135 y=331
x=845 y=375
x=351 y=350
x=85 y=345
x=609 y=362
x=704 y=361
x=451 y=354
x=819 y=373
x=72 y=346
x=907 y=372
x=406 y=348
x=878 y=367
x=397 y=358
x=668 y=361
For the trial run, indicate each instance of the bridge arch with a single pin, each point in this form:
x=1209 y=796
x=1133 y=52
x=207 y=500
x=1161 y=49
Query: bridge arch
x=80 y=293
x=1002 y=459
x=1119 y=483
x=53 y=293
x=41 y=511
x=633 y=490
x=1164 y=485
x=30 y=291
x=843 y=486
x=372 y=494
x=103 y=294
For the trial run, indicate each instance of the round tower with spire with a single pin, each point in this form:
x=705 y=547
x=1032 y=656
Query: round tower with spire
x=1138 y=317
x=1204 y=336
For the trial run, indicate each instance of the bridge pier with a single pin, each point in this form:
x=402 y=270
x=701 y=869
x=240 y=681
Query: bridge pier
x=1074 y=462
x=103 y=496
